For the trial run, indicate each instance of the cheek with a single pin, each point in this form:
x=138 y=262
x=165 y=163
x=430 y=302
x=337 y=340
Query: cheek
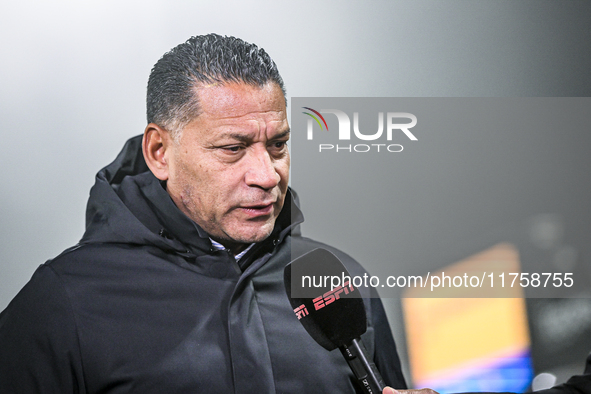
x=192 y=169
x=192 y=179
x=283 y=171
x=211 y=187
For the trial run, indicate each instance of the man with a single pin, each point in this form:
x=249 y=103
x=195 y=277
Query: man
x=177 y=283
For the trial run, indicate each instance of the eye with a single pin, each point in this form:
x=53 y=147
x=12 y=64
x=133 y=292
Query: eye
x=232 y=148
x=278 y=145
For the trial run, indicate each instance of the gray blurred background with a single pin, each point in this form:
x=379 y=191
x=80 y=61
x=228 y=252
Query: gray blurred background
x=72 y=90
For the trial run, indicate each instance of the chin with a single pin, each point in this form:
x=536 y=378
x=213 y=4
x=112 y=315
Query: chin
x=254 y=235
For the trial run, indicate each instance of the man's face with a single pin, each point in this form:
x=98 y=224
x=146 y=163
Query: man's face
x=230 y=167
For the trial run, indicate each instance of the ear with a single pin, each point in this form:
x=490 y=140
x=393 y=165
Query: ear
x=155 y=144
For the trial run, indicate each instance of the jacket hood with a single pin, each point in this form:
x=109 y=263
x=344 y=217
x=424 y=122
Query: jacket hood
x=129 y=205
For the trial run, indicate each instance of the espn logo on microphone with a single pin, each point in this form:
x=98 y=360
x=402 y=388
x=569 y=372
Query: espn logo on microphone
x=327 y=298
x=301 y=311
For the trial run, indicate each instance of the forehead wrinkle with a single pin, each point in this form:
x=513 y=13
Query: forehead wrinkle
x=235 y=98
x=214 y=113
x=251 y=127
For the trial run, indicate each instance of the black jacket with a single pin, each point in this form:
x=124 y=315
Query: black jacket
x=578 y=384
x=144 y=304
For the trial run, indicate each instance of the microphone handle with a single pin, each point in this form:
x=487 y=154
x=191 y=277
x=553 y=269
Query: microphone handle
x=365 y=370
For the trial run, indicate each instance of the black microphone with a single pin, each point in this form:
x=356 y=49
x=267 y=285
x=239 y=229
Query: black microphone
x=333 y=316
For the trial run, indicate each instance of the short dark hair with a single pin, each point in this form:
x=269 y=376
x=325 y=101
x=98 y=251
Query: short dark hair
x=172 y=101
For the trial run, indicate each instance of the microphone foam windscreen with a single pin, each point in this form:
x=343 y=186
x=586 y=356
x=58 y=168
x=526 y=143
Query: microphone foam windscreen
x=324 y=299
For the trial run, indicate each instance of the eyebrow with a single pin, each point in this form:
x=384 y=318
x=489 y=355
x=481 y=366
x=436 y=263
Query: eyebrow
x=247 y=138
x=281 y=135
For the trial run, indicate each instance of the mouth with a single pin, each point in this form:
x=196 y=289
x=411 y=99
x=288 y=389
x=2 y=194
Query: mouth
x=258 y=209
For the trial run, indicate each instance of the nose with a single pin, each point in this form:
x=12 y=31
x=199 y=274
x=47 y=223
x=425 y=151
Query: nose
x=261 y=170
